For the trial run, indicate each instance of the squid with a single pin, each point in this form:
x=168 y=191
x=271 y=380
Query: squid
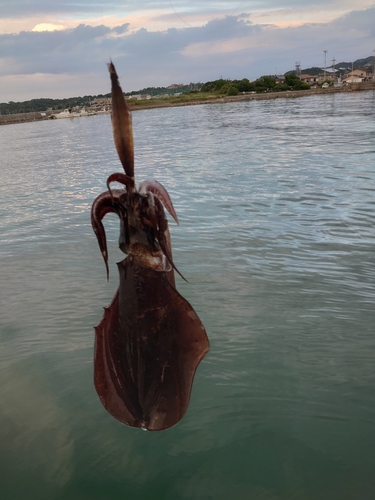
x=150 y=340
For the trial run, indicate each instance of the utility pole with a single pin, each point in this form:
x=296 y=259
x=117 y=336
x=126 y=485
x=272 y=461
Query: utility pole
x=325 y=63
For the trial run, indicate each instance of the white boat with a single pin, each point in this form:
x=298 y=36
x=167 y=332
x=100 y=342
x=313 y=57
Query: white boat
x=72 y=114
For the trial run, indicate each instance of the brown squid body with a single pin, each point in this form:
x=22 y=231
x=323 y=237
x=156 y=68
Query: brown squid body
x=150 y=340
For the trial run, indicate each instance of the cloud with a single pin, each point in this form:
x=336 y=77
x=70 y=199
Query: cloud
x=48 y=27
x=18 y=8
x=64 y=51
x=68 y=50
x=232 y=46
x=121 y=29
x=25 y=8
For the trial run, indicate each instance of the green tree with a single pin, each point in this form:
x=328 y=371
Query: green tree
x=265 y=84
x=294 y=82
x=215 y=86
x=245 y=85
x=232 y=90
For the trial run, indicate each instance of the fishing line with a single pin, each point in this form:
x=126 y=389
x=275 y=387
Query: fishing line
x=178 y=15
x=236 y=9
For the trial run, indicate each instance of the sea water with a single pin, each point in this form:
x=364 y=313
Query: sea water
x=276 y=203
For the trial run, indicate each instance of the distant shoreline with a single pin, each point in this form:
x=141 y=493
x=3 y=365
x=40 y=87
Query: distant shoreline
x=260 y=97
x=31 y=117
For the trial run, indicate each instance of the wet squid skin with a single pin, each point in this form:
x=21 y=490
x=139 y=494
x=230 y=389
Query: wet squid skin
x=150 y=340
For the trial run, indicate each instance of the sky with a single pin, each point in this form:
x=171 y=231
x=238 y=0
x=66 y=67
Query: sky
x=59 y=48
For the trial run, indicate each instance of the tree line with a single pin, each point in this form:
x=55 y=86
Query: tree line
x=155 y=91
x=263 y=84
x=43 y=104
x=221 y=86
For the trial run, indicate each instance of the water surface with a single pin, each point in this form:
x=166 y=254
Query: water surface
x=276 y=202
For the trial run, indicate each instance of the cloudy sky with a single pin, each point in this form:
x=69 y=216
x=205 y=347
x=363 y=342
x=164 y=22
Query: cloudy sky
x=59 y=48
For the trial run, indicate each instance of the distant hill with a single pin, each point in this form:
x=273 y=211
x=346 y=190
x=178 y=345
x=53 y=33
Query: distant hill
x=314 y=71
x=359 y=63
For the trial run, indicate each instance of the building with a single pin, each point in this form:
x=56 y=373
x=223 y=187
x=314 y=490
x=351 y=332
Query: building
x=310 y=79
x=358 y=75
x=316 y=81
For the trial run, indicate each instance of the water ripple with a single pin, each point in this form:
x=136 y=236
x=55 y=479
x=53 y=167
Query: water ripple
x=276 y=237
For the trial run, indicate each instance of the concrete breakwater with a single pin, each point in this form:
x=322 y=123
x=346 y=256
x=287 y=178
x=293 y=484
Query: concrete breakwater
x=40 y=116
x=25 y=117
x=48 y=115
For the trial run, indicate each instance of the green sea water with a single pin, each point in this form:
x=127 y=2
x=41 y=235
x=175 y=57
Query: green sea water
x=276 y=203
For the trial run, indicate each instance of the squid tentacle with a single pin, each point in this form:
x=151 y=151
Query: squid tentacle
x=105 y=203
x=122 y=179
x=159 y=190
x=162 y=228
